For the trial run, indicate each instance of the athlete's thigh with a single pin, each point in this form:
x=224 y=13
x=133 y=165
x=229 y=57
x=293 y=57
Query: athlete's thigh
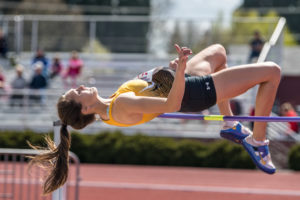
x=237 y=80
x=206 y=61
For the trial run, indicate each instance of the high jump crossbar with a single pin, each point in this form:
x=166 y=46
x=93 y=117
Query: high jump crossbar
x=219 y=118
x=229 y=118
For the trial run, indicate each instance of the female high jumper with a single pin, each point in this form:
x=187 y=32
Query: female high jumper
x=195 y=85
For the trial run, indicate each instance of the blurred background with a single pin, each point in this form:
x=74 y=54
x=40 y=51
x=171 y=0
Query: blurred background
x=50 y=46
x=104 y=43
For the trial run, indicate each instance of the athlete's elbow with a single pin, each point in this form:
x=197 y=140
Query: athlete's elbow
x=173 y=107
x=177 y=107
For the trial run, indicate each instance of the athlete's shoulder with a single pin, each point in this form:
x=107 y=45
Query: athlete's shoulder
x=136 y=83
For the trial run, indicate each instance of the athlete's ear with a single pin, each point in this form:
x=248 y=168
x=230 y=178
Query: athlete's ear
x=87 y=110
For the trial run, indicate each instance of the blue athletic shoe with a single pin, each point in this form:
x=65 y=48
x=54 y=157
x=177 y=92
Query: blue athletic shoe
x=235 y=134
x=260 y=155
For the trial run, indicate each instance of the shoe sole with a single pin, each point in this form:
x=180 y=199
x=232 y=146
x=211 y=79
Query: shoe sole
x=257 y=164
x=231 y=137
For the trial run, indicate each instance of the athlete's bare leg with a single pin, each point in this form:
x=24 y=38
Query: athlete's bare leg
x=267 y=75
x=210 y=60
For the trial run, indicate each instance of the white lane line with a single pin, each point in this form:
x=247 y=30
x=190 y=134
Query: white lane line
x=183 y=188
x=189 y=188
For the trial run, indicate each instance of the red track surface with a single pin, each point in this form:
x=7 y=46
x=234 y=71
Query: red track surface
x=115 y=182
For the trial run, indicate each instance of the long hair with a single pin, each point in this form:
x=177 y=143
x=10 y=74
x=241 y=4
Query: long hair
x=163 y=77
x=56 y=160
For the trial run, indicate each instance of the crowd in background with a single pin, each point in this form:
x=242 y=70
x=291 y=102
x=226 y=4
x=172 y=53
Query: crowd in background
x=42 y=72
x=287 y=110
x=3 y=45
x=256 y=45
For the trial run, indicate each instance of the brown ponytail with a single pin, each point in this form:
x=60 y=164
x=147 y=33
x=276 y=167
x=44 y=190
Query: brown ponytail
x=163 y=77
x=56 y=160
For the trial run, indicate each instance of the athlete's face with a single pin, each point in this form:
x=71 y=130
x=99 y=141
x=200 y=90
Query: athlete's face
x=82 y=94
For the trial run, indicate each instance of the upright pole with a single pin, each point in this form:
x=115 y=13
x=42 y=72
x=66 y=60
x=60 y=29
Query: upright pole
x=92 y=36
x=60 y=193
x=18 y=33
x=34 y=35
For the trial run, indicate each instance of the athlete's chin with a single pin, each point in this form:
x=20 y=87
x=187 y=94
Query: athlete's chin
x=95 y=90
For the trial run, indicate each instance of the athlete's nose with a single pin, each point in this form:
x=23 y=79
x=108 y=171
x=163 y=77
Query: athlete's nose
x=81 y=87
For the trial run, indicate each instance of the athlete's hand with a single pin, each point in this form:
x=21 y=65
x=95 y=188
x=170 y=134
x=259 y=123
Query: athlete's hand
x=183 y=53
x=174 y=64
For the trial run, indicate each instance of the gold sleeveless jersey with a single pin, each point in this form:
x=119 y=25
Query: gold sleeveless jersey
x=140 y=88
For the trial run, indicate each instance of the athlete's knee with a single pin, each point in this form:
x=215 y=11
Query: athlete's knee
x=219 y=55
x=218 y=50
x=275 y=71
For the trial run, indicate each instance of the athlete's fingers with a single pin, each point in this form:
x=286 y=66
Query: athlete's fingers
x=187 y=52
x=184 y=48
x=178 y=49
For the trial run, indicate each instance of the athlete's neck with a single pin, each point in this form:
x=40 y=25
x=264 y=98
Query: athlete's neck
x=101 y=107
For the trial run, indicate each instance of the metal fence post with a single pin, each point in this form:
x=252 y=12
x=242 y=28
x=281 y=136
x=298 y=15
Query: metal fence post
x=34 y=35
x=92 y=36
x=60 y=193
x=18 y=33
x=28 y=188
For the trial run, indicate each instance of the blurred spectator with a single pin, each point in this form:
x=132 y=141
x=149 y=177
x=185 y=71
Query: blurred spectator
x=38 y=83
x=287 y=110
x=236 y=107
x=256 y=45
x=3 y=45
x=2 y=79
x=18 y=84
x=56 y=67
x=40 y=57
x=74 y=68
x=252 y=113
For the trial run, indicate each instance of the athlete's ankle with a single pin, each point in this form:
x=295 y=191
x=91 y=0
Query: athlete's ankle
x=230 y=124
x=250 y=139
x=261 y=143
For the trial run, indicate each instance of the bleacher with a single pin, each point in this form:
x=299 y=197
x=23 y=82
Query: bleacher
x=107 y=73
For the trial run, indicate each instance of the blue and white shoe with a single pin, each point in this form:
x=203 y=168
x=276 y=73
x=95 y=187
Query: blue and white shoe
x=235 y=134
x=260 y=155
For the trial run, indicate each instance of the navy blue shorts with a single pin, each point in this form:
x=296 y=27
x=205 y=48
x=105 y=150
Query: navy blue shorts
x=199 y=94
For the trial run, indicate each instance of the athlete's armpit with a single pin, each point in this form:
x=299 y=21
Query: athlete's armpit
x=143 y=104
